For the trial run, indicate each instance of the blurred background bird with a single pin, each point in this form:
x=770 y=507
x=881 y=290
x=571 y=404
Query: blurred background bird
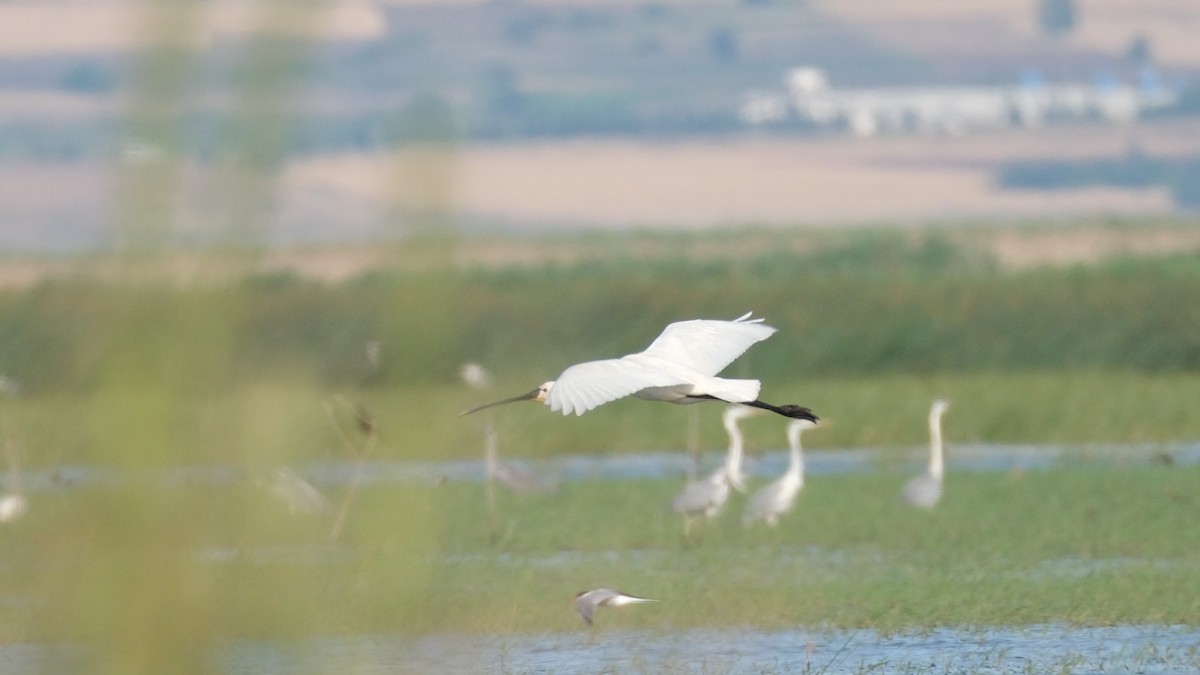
x=777 y=498
x=925 y=490
x=706 y=496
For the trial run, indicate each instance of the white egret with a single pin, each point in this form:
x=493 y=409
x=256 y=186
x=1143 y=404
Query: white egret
x=925 y=491
x=680 y=366
x=778 y=497
x=707 y=496
x=511 y=477
x=13 y=505
x=475 y=375
x=586 y=602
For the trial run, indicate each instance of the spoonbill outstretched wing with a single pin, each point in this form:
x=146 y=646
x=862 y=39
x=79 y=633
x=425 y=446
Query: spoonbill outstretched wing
x=680 y=366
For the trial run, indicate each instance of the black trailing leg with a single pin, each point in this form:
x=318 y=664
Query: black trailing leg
x=796 y=412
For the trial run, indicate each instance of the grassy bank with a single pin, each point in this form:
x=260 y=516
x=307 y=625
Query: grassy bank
x=288 y=422
x=1088 y=544
x=1091 y=545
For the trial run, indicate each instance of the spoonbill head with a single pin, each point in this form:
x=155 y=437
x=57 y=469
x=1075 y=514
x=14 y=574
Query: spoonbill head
x=539 y=394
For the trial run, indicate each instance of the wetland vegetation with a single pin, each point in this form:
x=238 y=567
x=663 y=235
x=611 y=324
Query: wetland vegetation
x=140 y=379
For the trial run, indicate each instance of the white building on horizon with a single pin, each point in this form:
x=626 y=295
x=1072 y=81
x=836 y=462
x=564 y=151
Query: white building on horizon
x=808 y=97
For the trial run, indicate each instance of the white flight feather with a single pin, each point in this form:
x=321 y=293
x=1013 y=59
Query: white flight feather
x=708 y=345
x=587 y=385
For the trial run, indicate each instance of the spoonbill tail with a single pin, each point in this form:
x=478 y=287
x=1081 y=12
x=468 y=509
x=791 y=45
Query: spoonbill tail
x=925 y=491
x=586 y=602
x=680 y=366
x=778 y=497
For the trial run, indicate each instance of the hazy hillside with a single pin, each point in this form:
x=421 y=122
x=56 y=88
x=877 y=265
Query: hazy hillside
x=312 y=102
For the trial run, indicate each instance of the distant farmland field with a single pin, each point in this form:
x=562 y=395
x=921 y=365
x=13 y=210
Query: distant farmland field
x=621 y=185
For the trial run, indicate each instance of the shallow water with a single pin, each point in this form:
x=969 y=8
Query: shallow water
x=662 y=465
x=992 y=651
x=1036 y=649
x=668 y=465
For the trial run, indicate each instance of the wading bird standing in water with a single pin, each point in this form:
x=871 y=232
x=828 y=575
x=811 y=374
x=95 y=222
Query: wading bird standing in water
x=925 y=491
x=706 y=496
x=515 y=478
x=586 y=602
x=680 y=366
x=777 y=498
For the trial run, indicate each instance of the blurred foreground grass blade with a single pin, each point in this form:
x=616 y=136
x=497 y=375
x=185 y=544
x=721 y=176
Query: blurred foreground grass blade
x=254 y=147
x=125 y=568
x=158 y=559
x=150 y=186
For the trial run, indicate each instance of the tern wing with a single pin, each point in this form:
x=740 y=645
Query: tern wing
x=585 y=606
x=708 y=345
x=587 y=385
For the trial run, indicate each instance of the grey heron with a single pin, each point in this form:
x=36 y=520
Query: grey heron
x=514 y=478
x=706 y=496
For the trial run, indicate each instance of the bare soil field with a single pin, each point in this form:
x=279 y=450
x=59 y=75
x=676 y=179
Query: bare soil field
x=75 y=27
x=697 y=184
x=607 y=185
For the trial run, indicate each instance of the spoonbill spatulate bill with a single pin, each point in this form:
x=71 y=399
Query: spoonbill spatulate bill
x=680 y=366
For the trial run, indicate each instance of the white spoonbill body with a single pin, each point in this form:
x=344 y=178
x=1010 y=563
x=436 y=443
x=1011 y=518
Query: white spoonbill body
x=778 y=497
x=925 y=491
x=706 y=496
x=586 y=602
x=680 y=366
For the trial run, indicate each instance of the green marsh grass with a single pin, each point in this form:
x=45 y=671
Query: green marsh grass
x=1086 y=544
